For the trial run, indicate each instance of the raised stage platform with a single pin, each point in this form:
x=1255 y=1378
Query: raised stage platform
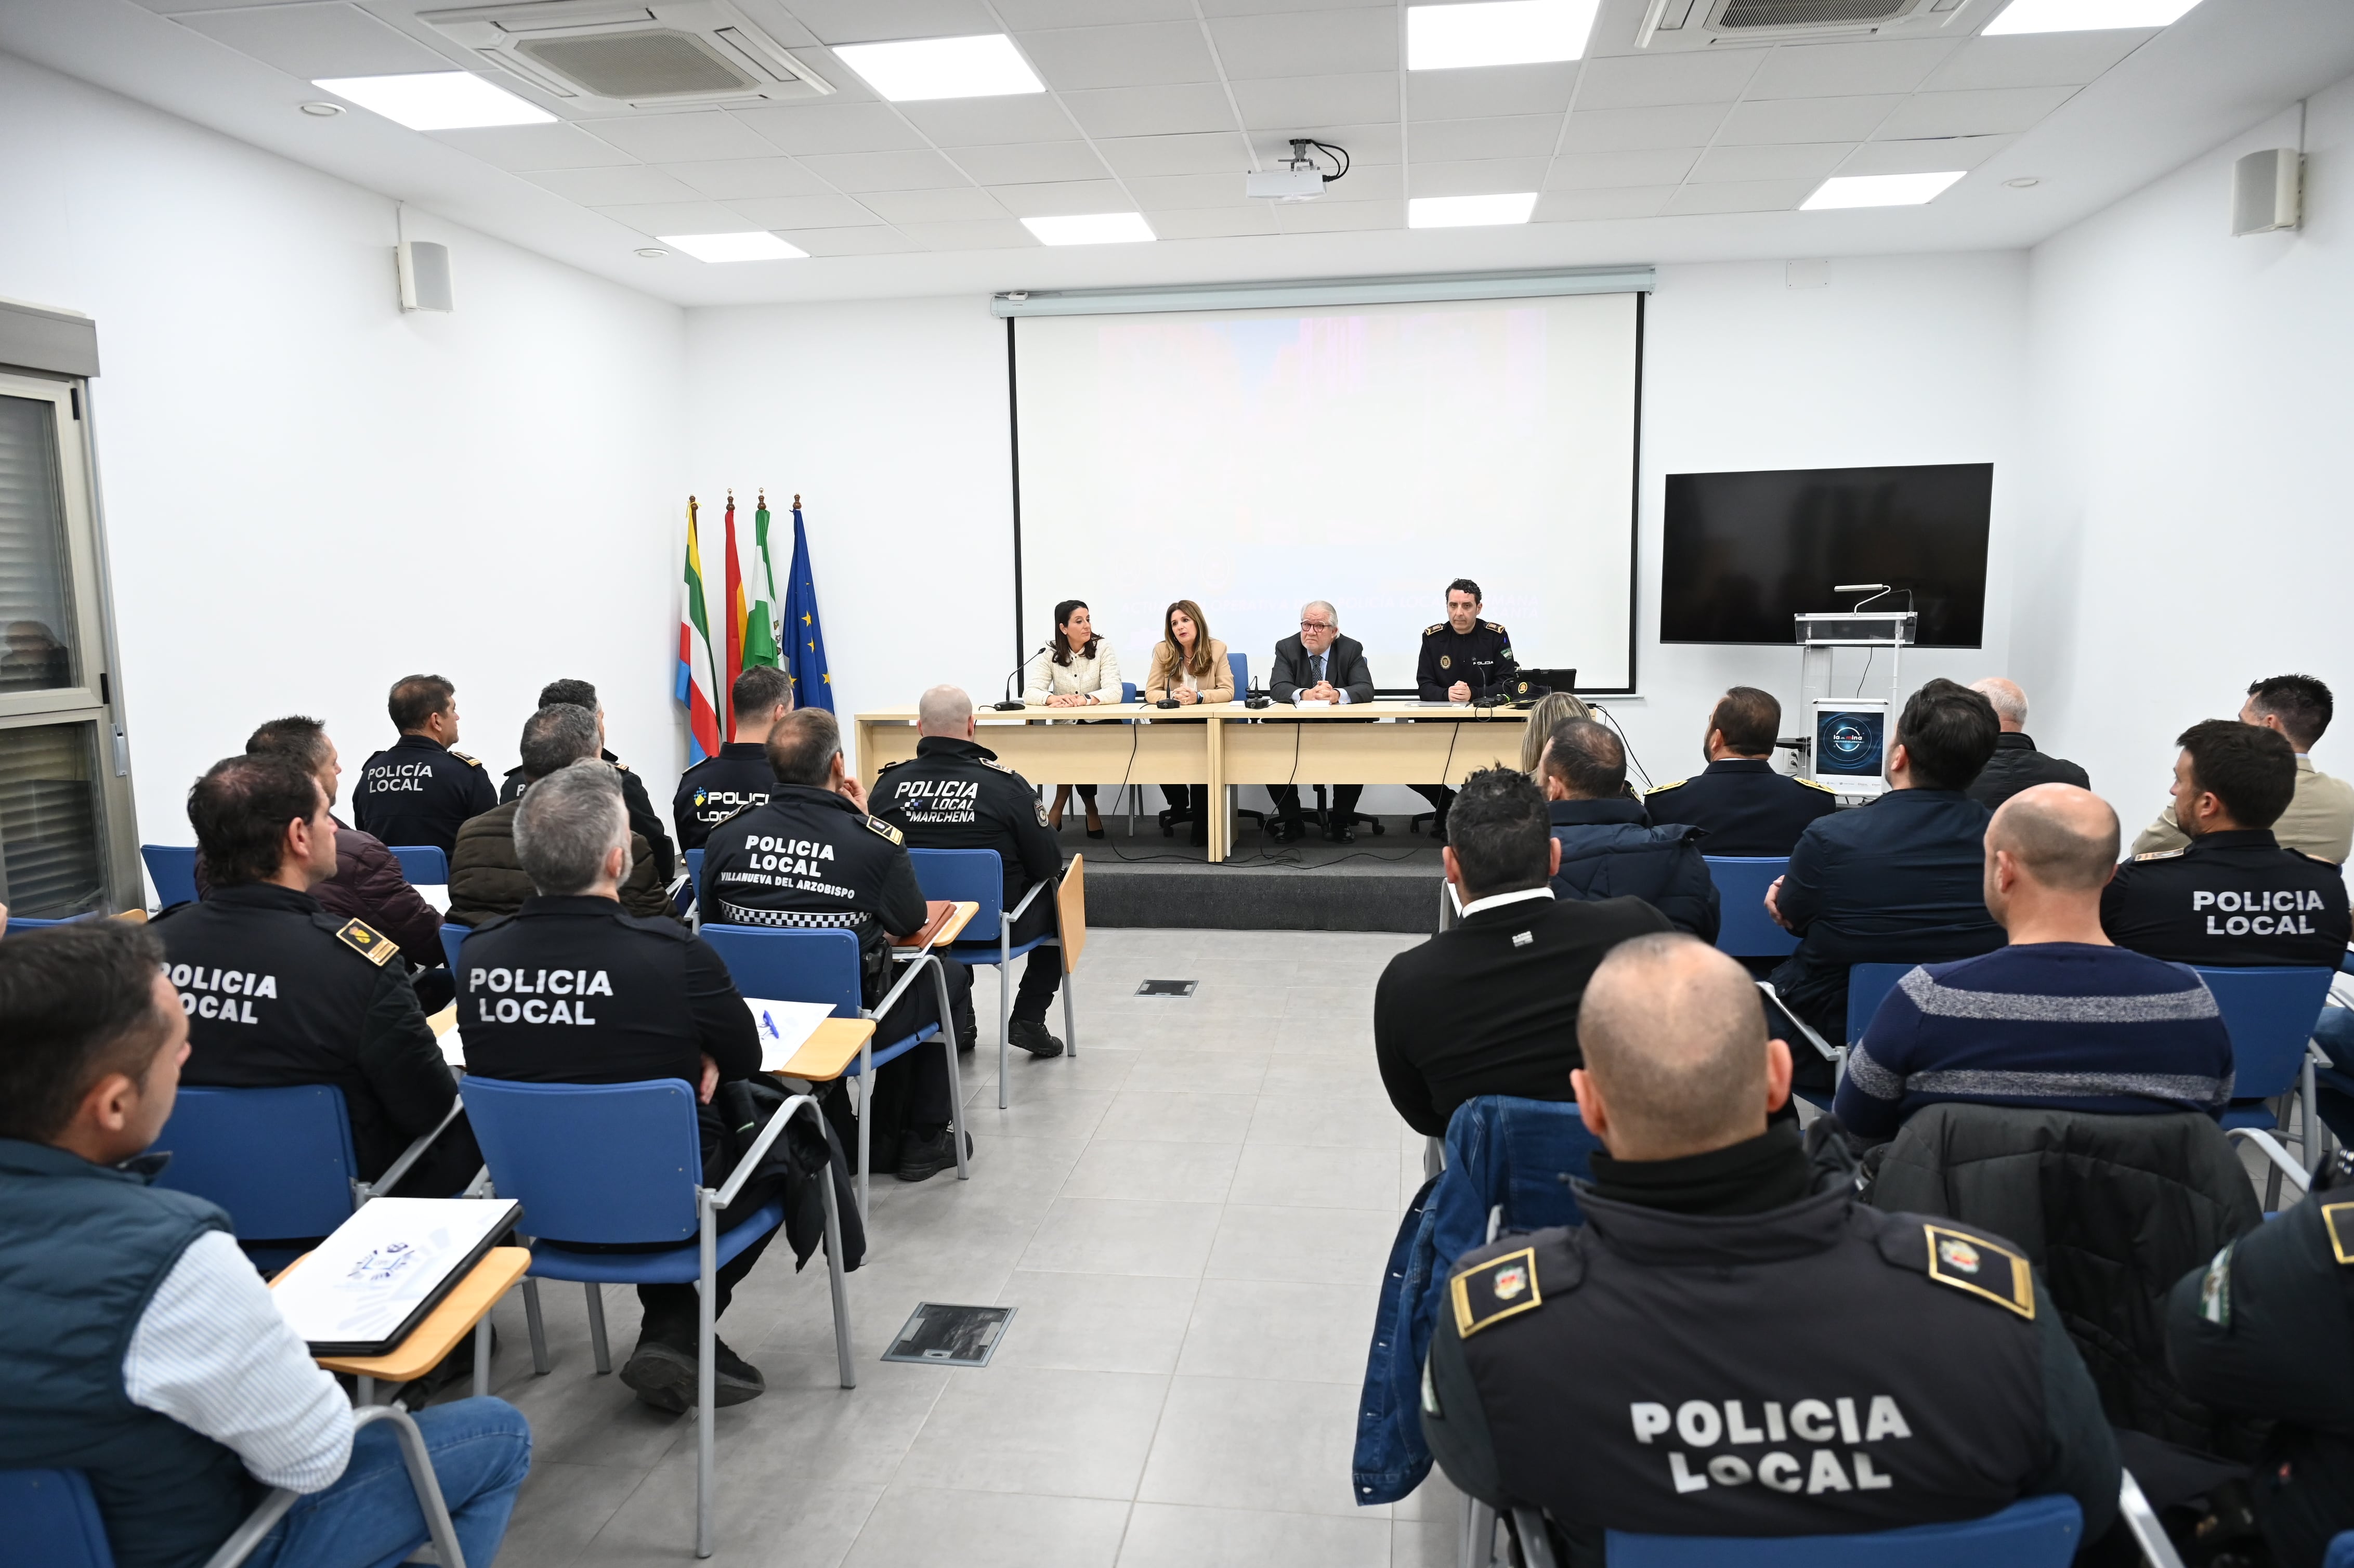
x=1389 y=883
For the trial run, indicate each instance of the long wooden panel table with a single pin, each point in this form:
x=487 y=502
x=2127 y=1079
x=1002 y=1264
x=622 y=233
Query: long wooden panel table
x=1224 y=745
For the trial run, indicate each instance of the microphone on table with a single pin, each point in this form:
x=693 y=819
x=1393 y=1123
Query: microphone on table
x=1010 y=706
x=1257 y=699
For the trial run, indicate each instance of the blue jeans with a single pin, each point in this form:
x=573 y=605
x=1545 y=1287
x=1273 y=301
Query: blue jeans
x=480 y=1450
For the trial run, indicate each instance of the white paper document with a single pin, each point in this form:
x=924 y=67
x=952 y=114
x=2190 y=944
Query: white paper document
x=785 y=1027
x=363 y=1281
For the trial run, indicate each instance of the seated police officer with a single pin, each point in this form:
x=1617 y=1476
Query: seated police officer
x=642 y=817
x=2320 y=815
x=2232 y=895
x=626 y=1000
x=280 y=991
x=957 y=795
x=1463 y=658
x=716 y=787
x=419 y=789
x=1739 y=802
x=137 y=1343
x=812 y=857
x=1609 y=849
x=1733 y=1343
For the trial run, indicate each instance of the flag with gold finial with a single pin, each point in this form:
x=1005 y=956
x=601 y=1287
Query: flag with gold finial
x=695 y=667
x=761 y=622
x=733 y=609
x=804 y=631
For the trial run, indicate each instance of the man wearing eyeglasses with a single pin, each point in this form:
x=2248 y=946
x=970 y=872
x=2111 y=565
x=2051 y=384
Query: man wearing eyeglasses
x=1319 y=665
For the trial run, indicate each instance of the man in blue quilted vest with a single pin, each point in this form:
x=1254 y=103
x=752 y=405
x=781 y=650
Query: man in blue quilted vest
x=137 y=1345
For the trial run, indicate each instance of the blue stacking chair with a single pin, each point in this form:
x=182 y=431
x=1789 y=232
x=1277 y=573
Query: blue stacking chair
x=2271 y=1013
x=20 y=923
x=1868 y=986
x=691 y=890
x=2341 y=1552
x=2036 y=1533
x=805 y=964
x=423 y=864
x=1747 y=931
x=620 y=1164
x=172 y=869
x=978 y=876
x=453 y=937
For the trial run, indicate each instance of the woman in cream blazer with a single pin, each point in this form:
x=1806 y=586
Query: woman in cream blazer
x=1189 y=666
x=1080 y=670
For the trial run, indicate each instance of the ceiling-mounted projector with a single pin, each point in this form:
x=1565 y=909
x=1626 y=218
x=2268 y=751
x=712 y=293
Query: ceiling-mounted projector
x=1298 y=177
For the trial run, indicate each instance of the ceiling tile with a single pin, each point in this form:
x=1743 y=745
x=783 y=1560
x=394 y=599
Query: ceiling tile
x=1593 y=171
x=804 y=212
x=1024 y=14
x=1329 y=217
x=1289 y=101
x=1626 y=130
x=1307 y=43
x=1363 y=144
x=1484 y=176
x=832 y=128
x=681 y=218
x=1835 y=71
x=1806 y=120
x=991 y=122
x=2036 y=60
x=1210 y=222
x=1744 y=196
x=1202 y=153
x=1503 y=136
x=681 y=138
x=958 y=203
x=1985 y=111
x=1172 y=192
x=1141 y=54
x=311 y=41
x=1641 y=81
x=631 y=184
x=885 y=171
x=1065 y=198
x=523 y=148
x=1152 y=110
x=876 y=240
x=1372 y=182
x=1495 y=89
x=862 y=21
x=730 y=178
x=1585 y=206
x=1930 y=156
x=1787 y=160
x=1031 y=164
x=1001 y=234
x=1254 y=7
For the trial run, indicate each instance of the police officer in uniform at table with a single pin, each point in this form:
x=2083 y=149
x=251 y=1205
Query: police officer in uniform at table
x=2232 y=896
x=716 y=787
x=642 y=819
x=280 y=992
x=1463 y=660
x=420 y=789
x=812 y=857
x=955 y=794
x=1733 y=1343
x=1743 y=806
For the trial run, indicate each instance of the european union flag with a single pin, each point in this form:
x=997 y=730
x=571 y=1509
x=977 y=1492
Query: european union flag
x=804 y=631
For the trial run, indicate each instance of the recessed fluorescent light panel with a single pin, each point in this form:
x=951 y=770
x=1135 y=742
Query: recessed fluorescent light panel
x=759 y=244
x=435 y=99
x=2086 y=15
x=1091 y=229
x=1498 y=32
x=1470 y=212
x=1877 y=190
x=988 y=66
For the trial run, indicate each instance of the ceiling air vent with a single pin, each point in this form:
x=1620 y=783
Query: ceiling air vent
x=609 y=54
x=1670 y=24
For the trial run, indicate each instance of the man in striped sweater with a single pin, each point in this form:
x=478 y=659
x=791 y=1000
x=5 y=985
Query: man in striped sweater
x=2061 y=1019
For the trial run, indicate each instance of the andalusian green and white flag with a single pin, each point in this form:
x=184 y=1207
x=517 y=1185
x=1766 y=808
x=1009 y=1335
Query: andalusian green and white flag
x=760 y=619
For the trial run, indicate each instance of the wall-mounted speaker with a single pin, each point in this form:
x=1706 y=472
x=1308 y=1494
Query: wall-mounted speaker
x=424 y=275
x=2267 y=191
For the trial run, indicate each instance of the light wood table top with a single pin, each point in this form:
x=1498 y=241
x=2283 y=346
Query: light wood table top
x=823 y=1056
x=948 y=931
x=448 y=1323
x=1385 y=707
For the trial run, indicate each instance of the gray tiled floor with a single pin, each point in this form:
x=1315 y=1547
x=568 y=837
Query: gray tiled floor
x=1191 y=1217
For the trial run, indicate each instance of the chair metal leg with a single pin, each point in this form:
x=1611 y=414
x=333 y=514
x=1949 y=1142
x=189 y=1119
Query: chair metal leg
x=597 y=1344
x=833 y=1282
x=483 y=1357
x=2317 y=1141
x=706 y=1404
x=1070 y=1020
x=363 y=1391
x=538 y=1329
x=1479 y=1534
x=1005 y=1001
x=1536 y=1546
x=956 y=1081
x=424 y=1482
x=2142 y=1520
x=1434 y=1157
x=865 y=1131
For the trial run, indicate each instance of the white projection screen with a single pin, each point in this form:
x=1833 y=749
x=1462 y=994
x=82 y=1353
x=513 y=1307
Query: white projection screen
x=1252 y=460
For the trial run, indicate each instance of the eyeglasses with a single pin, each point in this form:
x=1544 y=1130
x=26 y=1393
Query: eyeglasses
x=1315 y=626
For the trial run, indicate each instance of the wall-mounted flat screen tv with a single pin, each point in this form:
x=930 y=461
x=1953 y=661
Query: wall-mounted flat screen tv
x=1745 y=552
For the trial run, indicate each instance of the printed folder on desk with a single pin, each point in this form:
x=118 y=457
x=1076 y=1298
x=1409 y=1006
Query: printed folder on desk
x=364 y=1289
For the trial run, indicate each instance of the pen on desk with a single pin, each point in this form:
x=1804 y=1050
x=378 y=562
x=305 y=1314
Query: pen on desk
x=774 y=1033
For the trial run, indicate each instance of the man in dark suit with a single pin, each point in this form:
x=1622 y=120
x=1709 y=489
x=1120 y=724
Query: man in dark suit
x=1319 y=665
x=2016 y=765
x=1743 y=806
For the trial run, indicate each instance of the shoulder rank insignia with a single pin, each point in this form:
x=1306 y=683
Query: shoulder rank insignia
x=461 y=756
x=618 y=767
x=1663 y=788
x=1494 y=628
x=1817 y=784
x=1499 y=1289
x=2156 y=854
x=2308 y=854
x=367 y=941
x=883 y=829
x=1968 y=1263
x=888 y=766
x=1434 y=631
x=992 y=762
x=2339 y=1219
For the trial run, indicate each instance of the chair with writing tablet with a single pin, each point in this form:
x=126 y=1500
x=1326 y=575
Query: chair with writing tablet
x=978 y=876
x=601 y=1165
x=2271 y=1012
x=172 y=869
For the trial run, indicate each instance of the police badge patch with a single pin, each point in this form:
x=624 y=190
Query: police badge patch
x=1040 y=805
x=1489 y=1292
x=1977 y=1265
x=1446 y=660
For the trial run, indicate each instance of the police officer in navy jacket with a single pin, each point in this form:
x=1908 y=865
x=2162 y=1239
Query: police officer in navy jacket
x=1743 y=806
x=716 y=787
x=642 y=817
x=420 y=789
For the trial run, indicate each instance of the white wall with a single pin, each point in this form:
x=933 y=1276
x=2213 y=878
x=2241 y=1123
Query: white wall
x=2188 y=518
x=309 y=494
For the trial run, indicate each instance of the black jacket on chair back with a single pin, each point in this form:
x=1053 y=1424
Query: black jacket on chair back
x=1609 y=849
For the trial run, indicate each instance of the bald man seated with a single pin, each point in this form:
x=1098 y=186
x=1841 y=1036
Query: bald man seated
x=2061 y=1019
x=1733 y=1343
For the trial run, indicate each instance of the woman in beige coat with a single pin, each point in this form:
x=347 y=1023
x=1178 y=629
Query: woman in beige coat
x=1189 y=666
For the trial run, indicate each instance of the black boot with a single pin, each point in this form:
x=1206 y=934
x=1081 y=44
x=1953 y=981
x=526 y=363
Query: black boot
x=924 y=1156
x=1030 y=1034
